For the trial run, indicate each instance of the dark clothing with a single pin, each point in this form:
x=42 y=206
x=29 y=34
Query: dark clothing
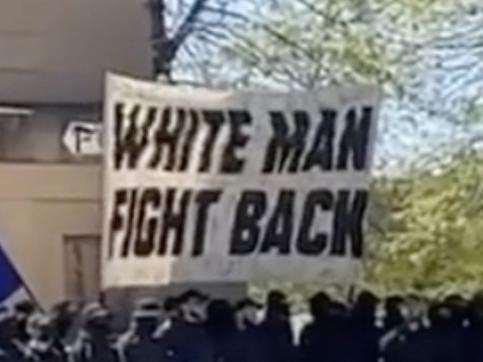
x=363 y=341
x=326 y=341
x=138 y=349
x=254 y=345
x=446 y=344
x=189 y=342
x=12 y=351
x=22 y=335
x=473 y=344
x=87 y=349
x=5 y=357
x=393 y=320
x=280 y=341
x=414 y=346
x=41 y=352
x=227 y=346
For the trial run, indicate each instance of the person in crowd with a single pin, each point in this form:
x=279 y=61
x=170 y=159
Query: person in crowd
x=42 y=346
x=411 y=341
x=94 y=343
x=187 y=339
x=189 y=329
x=473 y=335
x=222 y=329
x=23 y=311
x=171 y=309
x=171 y=315
x=315 y=332
x=142 y=344
x=364 y=333
x=254 y=343
x=393 y=317
x=278 y=329
x=327 y=338
x=460 y=311
x=445 y=334
x=64 y=315
x=364 y=309
x=11 y=350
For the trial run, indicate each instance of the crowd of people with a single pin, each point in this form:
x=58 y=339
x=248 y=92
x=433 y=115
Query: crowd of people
x=193 y=328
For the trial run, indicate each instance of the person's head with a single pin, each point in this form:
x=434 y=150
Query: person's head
x=364 y=310
x=193 y=306
x=278 y=307
x=391 y=313
x=393 y=303
x=171 y=308
x=337 y=311
x=440 y=315
x=220 y=316
x=276 y=297
x=40 y=327
x=319 y=304
x=23 y=311
x=476 y=309
x=393 y=306
x=96 y=320
x=414 y=308
x=63 y=315
x=247 y=313
x=146 y=317
x=458 y=306
x=366 y=303
x=7 y=324
x=455 y=300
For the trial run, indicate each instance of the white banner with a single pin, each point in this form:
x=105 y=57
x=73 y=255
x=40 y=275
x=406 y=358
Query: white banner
x=206 y=186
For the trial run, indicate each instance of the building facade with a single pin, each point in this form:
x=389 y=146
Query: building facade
x=53 y=58
x=50 y=205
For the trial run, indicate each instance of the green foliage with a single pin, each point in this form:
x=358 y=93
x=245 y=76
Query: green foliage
x=431 y=238
x=309 y=43
x=426 y=225
x=425 y=235
x=299 y=46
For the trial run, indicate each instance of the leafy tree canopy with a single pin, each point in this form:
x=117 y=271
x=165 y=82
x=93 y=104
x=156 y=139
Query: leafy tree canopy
x=425 y=230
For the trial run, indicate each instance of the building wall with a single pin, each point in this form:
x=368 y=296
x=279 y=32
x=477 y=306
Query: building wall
x=38 y=137
x=53 y=57
x=54 y=51
x=48 y=194
x=39 y=205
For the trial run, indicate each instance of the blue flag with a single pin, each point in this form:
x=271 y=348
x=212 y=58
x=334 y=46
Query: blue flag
x=12 y=286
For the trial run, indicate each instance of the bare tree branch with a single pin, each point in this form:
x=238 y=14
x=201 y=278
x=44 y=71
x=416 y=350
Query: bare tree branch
x=187 y=27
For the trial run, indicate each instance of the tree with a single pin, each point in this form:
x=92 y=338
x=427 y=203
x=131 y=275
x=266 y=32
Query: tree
x=426 y=56
x=183 y=31
x=430 y=235
x=412 y=49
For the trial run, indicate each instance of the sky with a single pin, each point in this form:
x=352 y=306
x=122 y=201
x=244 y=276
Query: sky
x=447 y=77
